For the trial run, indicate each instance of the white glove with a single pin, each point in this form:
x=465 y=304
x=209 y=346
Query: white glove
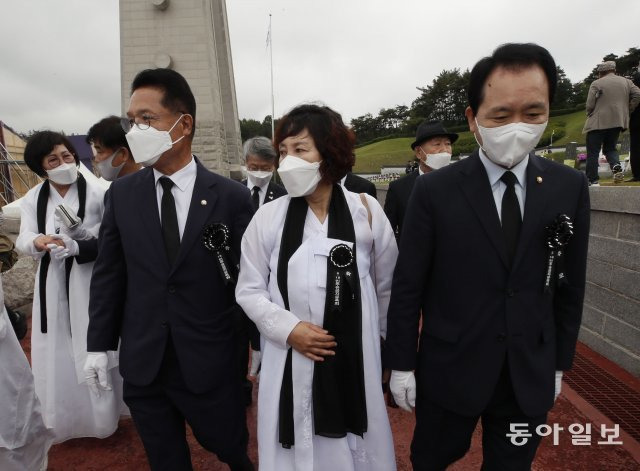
x=95 y=372
x=255 y=362
x=403 y=387
x=3 y=325
x=558 y=386
x=70 y=248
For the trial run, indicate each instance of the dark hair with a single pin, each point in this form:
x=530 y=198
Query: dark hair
x=512 y=56
x=333 y=139
x=108 y=132
x=178 y=96
x=40 y=144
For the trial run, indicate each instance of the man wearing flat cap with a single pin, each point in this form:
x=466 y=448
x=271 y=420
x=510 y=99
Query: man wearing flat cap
x=432 y=148
x=610 y=100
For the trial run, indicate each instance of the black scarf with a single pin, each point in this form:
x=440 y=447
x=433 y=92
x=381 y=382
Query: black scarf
x=339 y=404
x=41 y=215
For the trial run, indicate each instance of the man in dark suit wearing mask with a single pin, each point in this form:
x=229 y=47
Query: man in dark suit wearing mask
x=162 y=285
x=432 y=148
x=260 y=159
x=493 y=252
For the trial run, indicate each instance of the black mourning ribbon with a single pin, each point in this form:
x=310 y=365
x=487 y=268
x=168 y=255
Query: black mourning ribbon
x=559 y=232
x=216 y=238
x=339 y=403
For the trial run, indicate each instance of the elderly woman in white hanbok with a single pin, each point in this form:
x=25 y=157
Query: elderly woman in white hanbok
x=61 y=294
x=315 y=277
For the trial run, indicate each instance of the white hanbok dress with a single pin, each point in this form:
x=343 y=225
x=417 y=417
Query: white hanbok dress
x=68 y=406
x=24 y=439
x=258 y=294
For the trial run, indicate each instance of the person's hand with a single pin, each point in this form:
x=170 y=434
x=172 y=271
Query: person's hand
x=255 y=362
x=558 y=385
x=3 y=326
x=69 y=247
x=403 y=388
x=78 y=232
x=95 y=372
x=312 y=341
x=42 y=241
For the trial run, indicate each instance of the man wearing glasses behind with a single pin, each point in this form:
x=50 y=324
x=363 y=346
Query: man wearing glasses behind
x=161 y=293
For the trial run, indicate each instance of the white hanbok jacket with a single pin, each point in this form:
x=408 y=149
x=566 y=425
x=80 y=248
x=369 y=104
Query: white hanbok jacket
x=58 y=356
x=258 y=294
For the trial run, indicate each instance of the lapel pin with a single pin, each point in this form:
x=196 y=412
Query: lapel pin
x=204 y=202
x=538 y=179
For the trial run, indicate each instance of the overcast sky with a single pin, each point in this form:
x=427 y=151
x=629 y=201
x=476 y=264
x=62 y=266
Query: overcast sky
x=60 y=63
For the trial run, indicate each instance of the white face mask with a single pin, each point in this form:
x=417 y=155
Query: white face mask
x=64 y=174
x=106 y=168
x=508 y=145
x=148 y=145
x=300 y=178
x=439 y=160
x=259 y=177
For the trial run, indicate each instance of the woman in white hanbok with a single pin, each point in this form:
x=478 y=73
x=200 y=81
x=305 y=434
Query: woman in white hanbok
x=316 y=151
x=61 y=294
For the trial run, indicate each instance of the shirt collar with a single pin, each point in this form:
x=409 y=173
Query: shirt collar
x=495 y=171
x=182 y=177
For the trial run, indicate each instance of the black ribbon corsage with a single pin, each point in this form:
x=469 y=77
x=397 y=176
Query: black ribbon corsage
x=559 y=232
x=341 y=262
x=216 y=238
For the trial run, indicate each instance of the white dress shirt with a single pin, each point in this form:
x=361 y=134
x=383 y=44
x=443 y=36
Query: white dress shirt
x=182 y=190
x=263 y=189
x=495 y=171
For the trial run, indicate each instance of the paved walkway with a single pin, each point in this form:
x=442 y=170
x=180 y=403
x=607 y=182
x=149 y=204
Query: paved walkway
x=123 y=450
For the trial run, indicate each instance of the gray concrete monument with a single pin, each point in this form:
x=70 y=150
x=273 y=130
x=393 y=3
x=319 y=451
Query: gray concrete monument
x=190 y=37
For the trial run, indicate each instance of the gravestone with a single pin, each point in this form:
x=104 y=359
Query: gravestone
x=192 y=38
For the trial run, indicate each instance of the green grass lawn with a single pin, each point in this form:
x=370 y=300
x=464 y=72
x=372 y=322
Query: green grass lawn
x=395 y=152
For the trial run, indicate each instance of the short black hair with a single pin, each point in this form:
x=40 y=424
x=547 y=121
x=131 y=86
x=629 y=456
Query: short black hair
x=511 y=56
x=178 y=96
x=108 y=132
x=40 y=144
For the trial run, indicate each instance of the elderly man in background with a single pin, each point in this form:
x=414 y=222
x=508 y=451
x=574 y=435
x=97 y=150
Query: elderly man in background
x=432 y=148
x=610 y=100
x=260 y=159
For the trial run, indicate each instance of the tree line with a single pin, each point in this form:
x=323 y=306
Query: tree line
x=445 y=99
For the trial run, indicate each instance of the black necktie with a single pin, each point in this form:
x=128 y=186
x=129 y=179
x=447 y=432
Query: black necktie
x=255 y=196
x=510 y=214
x=169 y=217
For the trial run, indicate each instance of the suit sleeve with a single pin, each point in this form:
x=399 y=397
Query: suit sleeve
x=567 y=302
x=634 y=97
x=409 y=280
x=87 y=250
x=391 y=209
x=108 y=285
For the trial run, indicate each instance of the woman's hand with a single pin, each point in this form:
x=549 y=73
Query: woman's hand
x=41 y=242
x=312 y=341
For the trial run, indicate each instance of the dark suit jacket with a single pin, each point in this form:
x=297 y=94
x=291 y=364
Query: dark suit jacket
x=139 y=299
x=274 y=191
x=358 y=184
x=395 y=204
x=476 y=310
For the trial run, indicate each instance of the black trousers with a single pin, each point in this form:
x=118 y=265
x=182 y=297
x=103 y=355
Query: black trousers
x=634 y=141
x=607 y=140
x=159 y=411
x=442 y=437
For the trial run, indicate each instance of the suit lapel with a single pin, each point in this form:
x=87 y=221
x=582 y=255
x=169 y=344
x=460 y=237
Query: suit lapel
x=270 y=193
x=474 y=183
x=203 y=201
x=534 y=200
x=149 y=214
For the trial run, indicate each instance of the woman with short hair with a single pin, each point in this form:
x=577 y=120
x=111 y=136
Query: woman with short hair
x=315 y=277
x=59 y=224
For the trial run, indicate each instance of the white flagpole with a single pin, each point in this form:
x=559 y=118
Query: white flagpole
x=273 y=117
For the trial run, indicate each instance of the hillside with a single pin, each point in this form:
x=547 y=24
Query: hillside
x=396 y=152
